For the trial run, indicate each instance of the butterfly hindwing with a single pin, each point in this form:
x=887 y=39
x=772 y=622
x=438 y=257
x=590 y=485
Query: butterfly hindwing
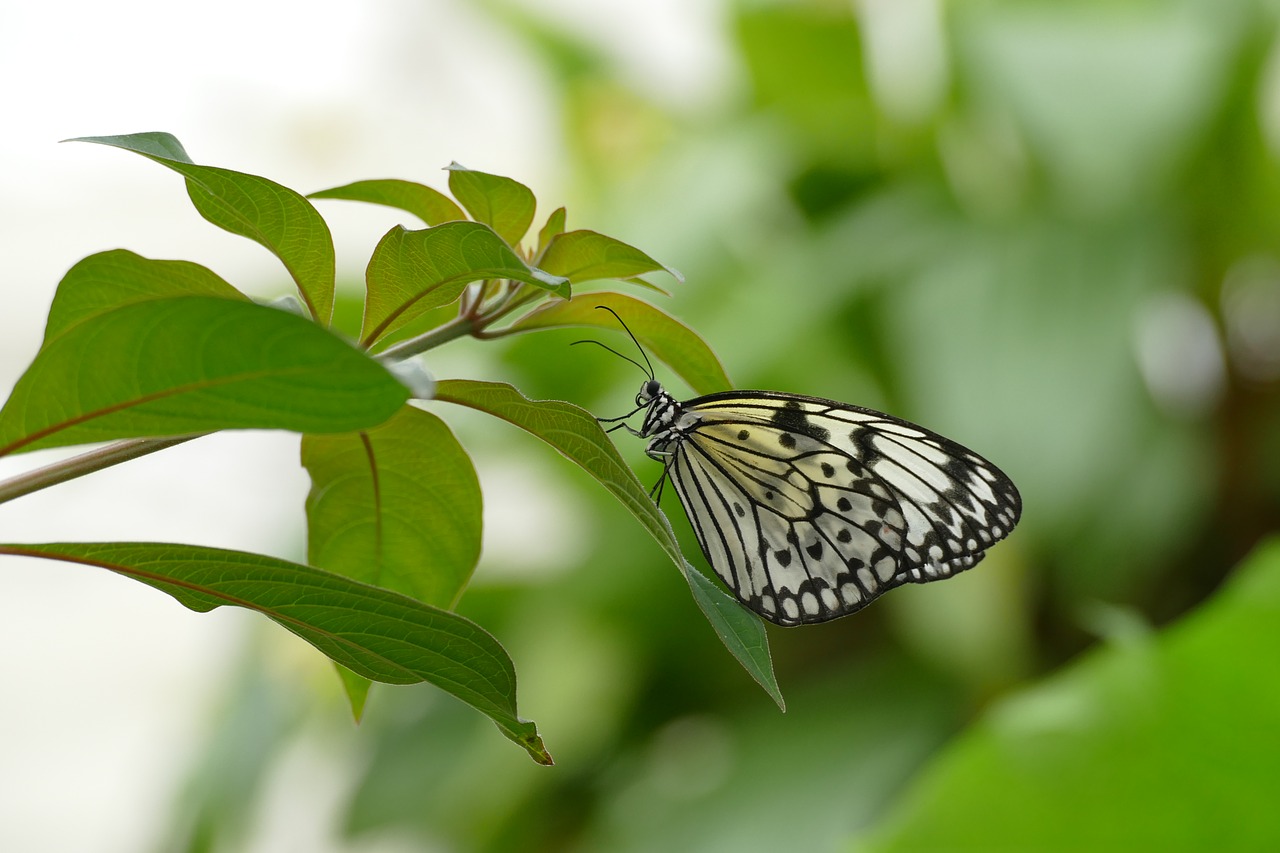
x=808 y=509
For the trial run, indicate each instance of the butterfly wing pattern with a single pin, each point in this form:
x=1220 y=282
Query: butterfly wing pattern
x=808 y=509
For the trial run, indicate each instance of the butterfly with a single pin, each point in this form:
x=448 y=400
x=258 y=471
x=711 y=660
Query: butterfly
x=809 y=509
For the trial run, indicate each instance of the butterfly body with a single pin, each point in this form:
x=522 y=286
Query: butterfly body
x=808 y=509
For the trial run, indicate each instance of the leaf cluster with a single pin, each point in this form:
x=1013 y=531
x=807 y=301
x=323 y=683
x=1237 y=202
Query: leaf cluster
x=144 y=353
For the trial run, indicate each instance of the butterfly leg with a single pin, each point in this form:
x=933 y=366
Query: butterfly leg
x=668 y=458
x=620 y=417
x=611 y=420
x=624 y=425
x=620 y=422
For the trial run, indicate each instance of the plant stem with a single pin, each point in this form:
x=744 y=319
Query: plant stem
x=455 y=328
x=85 y=463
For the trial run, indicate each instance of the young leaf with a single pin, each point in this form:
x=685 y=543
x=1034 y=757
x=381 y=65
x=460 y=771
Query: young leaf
x=553 y=227
x=373 y=632
x=412 y=272
x=272 y=215
x=661 y=334
x=505 y=205
x=431 y=206
x=577 y=436
x=397 y=505
x=585 y=256
x=191 y=364
x=110 y=280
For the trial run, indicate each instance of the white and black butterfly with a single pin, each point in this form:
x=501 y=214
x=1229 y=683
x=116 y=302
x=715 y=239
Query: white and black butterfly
x=809 y=509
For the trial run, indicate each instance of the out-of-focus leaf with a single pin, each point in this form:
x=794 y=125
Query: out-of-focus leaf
x=1160 y=742
x=1070 y=92
x=664 y=336
x=192 y=364
x=577 y=436
x=412 y=272
x=805 y=62
x=274 y=216
x=109 y=280
x=585 y=256
x=431 y=206
x=505 y=205
x=855 y=734
x=374 y=632
x=397 y=506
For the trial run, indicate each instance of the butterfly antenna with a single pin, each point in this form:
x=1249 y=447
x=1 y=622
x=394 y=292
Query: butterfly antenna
x=633 y=337
x=649 y=373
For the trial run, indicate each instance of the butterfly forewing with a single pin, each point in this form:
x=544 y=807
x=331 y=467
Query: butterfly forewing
x=808 y=509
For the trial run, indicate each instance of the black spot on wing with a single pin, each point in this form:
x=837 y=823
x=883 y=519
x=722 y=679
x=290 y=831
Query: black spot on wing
x=791 y=417
x=860 y=438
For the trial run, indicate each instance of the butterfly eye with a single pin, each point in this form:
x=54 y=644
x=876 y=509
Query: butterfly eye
x=648 y=391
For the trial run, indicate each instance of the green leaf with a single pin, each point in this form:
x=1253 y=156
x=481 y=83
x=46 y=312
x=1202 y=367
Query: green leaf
x=665 y=337
x=276 y=217
x=505 y=205
x=586 y=256
x=578 y=437
x=373 y=632
x=431 y=206
x=192 y=364
x=1161 y=741
x=109 y=280
x=553 y=227
x=412 y=272
x=397 y=506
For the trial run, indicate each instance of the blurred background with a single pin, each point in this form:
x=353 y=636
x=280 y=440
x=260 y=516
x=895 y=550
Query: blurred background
x=1048 y=231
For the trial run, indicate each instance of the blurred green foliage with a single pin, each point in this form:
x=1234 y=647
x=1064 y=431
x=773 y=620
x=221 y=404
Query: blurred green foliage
x=1048 y=231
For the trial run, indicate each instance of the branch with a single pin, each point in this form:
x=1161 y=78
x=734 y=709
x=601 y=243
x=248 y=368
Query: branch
x=85 y=463
x=455 y=328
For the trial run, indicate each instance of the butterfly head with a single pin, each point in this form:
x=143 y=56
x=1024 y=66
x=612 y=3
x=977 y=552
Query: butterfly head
x=650 y=389
x=662 y=420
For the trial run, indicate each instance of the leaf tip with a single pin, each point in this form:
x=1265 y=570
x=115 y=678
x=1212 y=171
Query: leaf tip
x=153 y=143
x=538 y=751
